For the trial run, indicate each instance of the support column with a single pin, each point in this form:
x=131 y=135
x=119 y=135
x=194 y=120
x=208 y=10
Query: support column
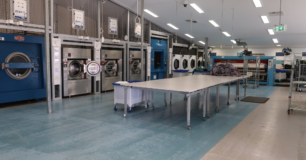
x=47 y=57
x=206 y=53
x=142 y=37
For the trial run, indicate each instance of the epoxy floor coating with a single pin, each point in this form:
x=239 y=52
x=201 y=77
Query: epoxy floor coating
x=88 y=128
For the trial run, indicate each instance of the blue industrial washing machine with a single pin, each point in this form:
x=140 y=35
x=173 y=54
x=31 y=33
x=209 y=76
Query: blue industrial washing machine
x=22 y=70
x=158 y=59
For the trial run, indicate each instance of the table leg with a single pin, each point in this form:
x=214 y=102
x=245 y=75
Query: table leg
x=228 y=94
x=217 y=100
x=152 y=101
x=125 y=102
x=185 y=98
x=165 y=95
x=245 y=86
x=208 y=102
x=237 y=90
x=204 y=105
x=146 y=99
x=188 y=112
x=170 y=98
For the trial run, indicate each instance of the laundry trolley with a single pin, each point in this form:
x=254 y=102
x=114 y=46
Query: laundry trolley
x=135 y=97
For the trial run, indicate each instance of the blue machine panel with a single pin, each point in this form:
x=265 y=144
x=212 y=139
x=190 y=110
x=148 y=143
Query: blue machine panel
x=32 y=86
x=158 y=59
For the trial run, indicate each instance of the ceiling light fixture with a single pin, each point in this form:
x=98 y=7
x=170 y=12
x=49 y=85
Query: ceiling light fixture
x=213 y=23
x=227 y=35
x=278 y=45
x=197 y=8
x=265 y=19
x=233 y=41
x=275 y=40
x=188 y=35
x=151 y=13
x=257 y=3
x=212 y=46
x=271 y=32
x=171 y=25
x=202 y=42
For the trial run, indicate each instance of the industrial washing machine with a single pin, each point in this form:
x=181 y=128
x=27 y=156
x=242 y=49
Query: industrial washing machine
x=184 y=63
x=159 y=59
x=22 y=69
x=192 y=63
x=176 y=62
x=112 y=65
x=135 y=63
x=76 y=78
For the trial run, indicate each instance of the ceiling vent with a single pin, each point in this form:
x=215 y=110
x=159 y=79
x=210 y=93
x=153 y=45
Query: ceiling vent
x=276 y=13
x=193 y=21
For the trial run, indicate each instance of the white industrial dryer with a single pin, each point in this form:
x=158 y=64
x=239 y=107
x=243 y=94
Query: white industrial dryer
x=184 y=62
x=176 y=65
x=192 y=63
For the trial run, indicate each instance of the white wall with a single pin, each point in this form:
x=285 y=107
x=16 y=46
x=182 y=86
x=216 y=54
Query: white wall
x=266 y=51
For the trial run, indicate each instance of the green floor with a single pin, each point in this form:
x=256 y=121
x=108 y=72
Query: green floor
x=88 y=128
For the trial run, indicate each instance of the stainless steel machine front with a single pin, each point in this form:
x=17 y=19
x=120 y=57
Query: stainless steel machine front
x=75 y=80
x=135 y=63
x=112 y=62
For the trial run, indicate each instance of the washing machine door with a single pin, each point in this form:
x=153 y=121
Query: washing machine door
x=110 y=68
x=17 y=65
x=92 y=68
x=192 y=64
x=176 y=64
x=75 y=68
x=136 y=67
x=185 y=64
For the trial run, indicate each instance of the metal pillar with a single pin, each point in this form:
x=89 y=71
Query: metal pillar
x=206 y=52
x=142 y=36
x=47 y=57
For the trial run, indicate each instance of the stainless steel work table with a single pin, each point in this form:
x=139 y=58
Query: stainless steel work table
x=189 y=85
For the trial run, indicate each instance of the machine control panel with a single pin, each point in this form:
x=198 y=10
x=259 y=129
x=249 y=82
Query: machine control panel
x=20 y=10
x=78 y=19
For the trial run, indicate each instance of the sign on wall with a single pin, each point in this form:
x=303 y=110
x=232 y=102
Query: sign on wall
x=112 y=26
x=78 y=19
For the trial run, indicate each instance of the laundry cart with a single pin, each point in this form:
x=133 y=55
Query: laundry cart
x=297 y=98
x=135 y=97
x=180 y=73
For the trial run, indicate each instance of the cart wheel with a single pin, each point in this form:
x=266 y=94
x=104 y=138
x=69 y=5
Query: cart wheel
x=115 y=108
x=288 y=111
x=204 y=118
x=300 y=90
x=130 y=110
x=189 y=128
x=208 y=116
x=217 y=110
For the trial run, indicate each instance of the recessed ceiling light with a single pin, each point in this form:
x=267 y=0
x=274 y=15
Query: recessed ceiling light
x=275 y=40
x=271 y=32
x=278 y=45
x=225 y=33
x=202 y=42
x=188 y=35
x=213 y=23
x=197 y=8
x=265 y=19
x=169 y=24
x=257 y=3
x=212 y=46
x=233 y=41
x=151 y=13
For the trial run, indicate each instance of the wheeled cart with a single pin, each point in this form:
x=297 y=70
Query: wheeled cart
x=135 y=97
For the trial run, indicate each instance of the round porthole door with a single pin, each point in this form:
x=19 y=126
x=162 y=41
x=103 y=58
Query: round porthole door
x=176 y=64
x=75 y=69
x=20 y=73
x=185 y=64
x=136 y=67
x=93 y=68
x=192 y=63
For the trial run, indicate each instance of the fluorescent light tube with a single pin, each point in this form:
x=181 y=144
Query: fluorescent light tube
x=233 y=41
x=151 y=13
x=265 y=19
x=225 y=33
x=197 y=8
x=271 y=32
x=213 y=23
x=257 y=3
x=202 y=42
x=275 y=40
x=169 y=24
x=188 y=35
x=279 y=45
